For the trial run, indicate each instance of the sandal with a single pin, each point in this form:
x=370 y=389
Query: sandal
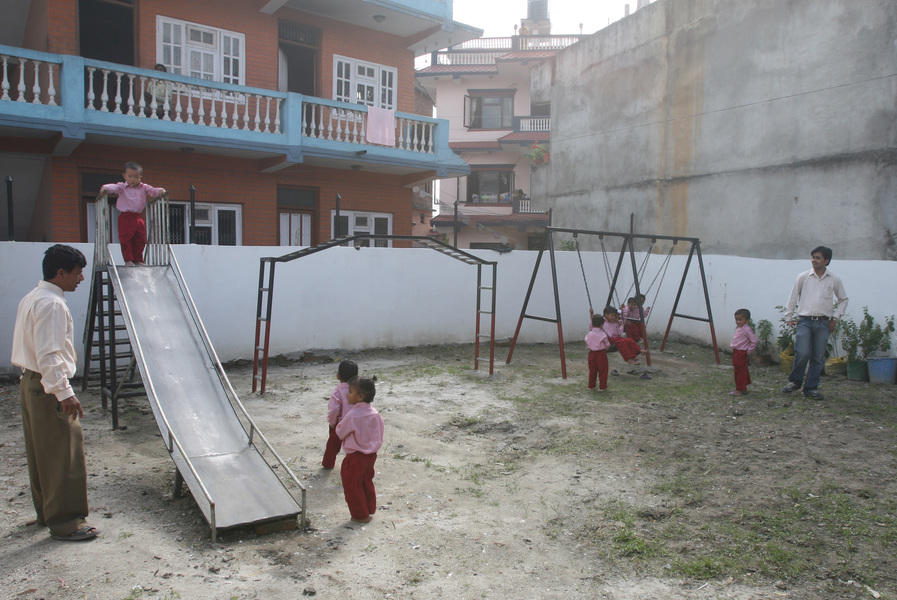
x=88 y=532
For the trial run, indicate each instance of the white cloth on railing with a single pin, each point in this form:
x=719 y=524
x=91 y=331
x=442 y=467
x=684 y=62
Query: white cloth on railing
x=381 y=126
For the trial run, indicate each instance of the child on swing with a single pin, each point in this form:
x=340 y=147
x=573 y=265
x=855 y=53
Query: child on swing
x=743 y=342
x=628 y=349
x=597 y=342
x=632 y=319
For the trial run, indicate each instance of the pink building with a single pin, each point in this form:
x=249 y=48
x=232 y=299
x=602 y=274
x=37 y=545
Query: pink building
x=482 y=87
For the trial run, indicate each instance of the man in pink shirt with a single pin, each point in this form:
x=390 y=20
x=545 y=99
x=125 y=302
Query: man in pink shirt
x=361 y=430
x=132 y=196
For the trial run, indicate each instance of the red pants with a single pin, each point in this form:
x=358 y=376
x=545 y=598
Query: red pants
x=332 y=449
x=132 y=235
x=740 y=362
x=635 y=330
x=598 y=368
x=357 y=473
x=628 y=348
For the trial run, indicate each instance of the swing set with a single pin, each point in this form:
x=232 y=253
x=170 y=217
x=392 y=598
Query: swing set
x=627 y=247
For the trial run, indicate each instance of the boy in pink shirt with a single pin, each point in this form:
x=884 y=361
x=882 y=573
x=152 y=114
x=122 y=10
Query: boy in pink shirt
x=743 y=342
x=132 y=196
x=361 y=430
x=337 y=406
x=597 y=343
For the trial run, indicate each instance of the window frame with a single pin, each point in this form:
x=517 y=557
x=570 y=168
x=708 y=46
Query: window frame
x=223 y=58
x=477 y=171
x=473 y=116
x=382 y=95
x=352 y=217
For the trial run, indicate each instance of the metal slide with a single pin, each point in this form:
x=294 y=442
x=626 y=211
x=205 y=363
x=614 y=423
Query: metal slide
x=193 y=402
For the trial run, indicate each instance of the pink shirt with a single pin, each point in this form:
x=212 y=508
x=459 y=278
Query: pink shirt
x=632 y=315
x=338 y=404
x=613 y=329
x=744 y=339
x=596 y=339
x=361 y=429
x=131 y=199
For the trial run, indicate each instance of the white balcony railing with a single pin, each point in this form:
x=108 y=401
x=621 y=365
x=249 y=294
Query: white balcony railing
x=327 y=120
x=28 y=80
x=535 y=123
x=143 y=97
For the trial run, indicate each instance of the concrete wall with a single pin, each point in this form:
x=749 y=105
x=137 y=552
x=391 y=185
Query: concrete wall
x=343 y=298
x=763 y=128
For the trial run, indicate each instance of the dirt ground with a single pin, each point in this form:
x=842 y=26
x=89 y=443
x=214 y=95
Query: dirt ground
x=522 y=485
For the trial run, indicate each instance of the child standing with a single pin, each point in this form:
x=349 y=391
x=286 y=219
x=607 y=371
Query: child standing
x=743 y=342
x=132 y=196
x=597 y=343
x=614 y=330
x=361 y=430
x=337 y=407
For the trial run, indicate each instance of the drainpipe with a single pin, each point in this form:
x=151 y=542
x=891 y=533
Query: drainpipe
x=11 y=224
x=192 y=211
x=455 y=224
x=336 y=218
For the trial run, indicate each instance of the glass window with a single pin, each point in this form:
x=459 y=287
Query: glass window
x=354 y=223
x=363 y=83
x=211 y=54
x=489 y=111
x=490 y=186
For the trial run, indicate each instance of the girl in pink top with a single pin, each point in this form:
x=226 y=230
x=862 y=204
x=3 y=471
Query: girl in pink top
x=361 y=430
x=743 y=342
x=337 y=406
x=629 y=350
x=597 y=343
x=132 y=196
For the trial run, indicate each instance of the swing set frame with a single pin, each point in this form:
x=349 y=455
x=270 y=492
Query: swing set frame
x=627 y=247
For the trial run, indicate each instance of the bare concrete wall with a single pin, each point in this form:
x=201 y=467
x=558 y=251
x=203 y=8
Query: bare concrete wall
x=763 y=127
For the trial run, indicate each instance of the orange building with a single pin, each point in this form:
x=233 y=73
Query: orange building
x=268 y=110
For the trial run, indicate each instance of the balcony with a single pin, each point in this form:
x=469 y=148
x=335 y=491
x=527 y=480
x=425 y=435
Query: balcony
x=488 y=51
x=64 y=100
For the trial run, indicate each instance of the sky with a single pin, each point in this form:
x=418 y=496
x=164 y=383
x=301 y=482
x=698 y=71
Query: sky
x=498 y=17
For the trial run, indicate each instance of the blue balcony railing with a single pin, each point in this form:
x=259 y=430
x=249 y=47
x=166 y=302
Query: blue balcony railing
x=76 y=96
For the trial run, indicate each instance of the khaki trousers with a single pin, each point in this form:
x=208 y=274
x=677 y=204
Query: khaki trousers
x=55 y=448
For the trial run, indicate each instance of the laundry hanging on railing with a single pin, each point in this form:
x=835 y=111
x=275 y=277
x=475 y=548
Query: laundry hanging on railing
x=381 y=126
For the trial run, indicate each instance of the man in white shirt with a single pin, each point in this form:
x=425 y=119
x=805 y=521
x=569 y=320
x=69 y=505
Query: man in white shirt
x=812 y=299
x=43 y=346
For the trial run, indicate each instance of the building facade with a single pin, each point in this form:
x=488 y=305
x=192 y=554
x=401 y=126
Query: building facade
x=482 y=87
x=763 y=128
x=263 y=112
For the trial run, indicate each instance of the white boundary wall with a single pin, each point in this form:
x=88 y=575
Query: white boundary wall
x=397 y=297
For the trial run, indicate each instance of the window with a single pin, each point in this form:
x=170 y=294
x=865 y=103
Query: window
x=494 y=110
x=199 y=51
x=362 y=82
x=295 y=213
x=490 y=185
x=216 y=224
x=354 y=223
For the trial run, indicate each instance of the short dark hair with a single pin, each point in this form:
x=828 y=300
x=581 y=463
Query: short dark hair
x=825 y=251
x=632 y=300
x=743 y=312
x=132 y=165
x=62 y=257
x=597 y=320
x=347 y=370
x=610 y=310
x=365 y=386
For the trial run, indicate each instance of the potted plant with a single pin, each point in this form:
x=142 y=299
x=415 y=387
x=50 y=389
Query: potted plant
x=785 y=341
x=865 y=341
x=875 y=341
x=538 y=154
x=763 y=353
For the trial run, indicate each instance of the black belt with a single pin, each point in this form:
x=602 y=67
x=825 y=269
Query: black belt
x=814 y=318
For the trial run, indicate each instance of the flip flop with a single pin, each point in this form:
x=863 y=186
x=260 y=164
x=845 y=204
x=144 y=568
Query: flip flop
x=88 y=532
